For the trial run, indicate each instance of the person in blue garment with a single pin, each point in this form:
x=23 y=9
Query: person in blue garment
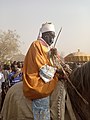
x=15 y=75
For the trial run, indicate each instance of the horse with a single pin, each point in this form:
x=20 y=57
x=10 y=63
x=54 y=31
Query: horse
x=80 y=78
x=65 y=103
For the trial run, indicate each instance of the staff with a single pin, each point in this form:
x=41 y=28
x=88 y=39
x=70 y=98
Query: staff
x=57 y=36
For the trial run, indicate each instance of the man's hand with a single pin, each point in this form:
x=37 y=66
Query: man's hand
x=61 y=75
x=53 y=51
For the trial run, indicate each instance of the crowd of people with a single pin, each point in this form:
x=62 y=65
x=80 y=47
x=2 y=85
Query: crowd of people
x=10 y=73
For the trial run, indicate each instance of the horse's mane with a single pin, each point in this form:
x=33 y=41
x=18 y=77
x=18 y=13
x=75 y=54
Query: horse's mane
x=80 y=78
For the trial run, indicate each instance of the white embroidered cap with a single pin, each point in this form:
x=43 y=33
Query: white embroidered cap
x=47 y=27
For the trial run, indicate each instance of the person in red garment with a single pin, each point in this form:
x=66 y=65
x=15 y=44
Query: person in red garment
x=39 y=74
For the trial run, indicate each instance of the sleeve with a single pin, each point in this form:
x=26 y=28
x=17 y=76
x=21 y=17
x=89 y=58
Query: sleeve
x=38 y=55
x=2 y=78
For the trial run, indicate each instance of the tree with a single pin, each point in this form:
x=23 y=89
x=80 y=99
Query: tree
x=9 y=44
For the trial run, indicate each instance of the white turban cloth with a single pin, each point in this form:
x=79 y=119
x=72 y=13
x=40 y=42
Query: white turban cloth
x=45 y=28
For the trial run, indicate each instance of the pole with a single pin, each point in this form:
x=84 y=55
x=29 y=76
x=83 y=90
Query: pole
x=57 y=36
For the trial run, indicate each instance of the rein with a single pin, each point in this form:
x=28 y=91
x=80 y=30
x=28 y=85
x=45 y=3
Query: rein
x=57 y=62
x=60 y=66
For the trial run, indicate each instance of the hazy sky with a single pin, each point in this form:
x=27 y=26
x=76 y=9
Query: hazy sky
x=27 y=16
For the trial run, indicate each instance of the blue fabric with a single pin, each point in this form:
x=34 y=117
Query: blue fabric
x=41 y=110
x=18 y=78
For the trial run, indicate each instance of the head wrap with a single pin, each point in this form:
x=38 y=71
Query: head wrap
x=46 y=27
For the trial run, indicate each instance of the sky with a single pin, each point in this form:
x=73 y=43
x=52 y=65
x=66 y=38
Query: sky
x=27 y=16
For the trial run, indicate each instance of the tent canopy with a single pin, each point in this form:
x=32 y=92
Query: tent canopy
x=77 y=57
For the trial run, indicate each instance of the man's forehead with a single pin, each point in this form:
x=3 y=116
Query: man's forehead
x=50 y=33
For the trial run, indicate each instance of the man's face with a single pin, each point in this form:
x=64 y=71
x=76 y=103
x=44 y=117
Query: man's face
x=49 y=37
x=14 y=68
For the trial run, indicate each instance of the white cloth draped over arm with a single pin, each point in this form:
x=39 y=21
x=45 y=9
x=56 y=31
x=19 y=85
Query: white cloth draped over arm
x=47 y=73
